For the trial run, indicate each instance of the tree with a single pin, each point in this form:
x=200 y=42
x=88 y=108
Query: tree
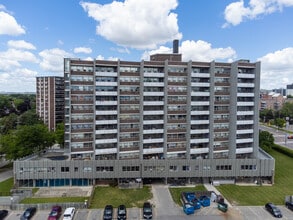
x=266 y=115
x=279 y=122
x=29 y=118
x=266 y=140
x=26 y=140
x=59 y=134
x=8 y=123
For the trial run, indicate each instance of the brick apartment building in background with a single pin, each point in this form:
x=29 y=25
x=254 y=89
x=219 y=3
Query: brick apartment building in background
x=271 y=100
x=50 y=100
x=162 y=119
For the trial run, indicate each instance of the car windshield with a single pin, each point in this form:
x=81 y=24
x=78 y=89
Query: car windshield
x=147 y=210
x=122 y=211
x=26 y=214
x=53 y=213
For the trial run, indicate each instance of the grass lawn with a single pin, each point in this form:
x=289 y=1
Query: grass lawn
x=53 y=200
x=6 y=186
x=115 y=196
x=259 y=195
x=176 y=191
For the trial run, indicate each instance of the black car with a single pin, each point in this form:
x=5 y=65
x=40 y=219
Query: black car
x=121 y=212
x=289 y=205
x=147 y=211
x=274 y=210
x=28 y=213
x=108 y=212
x=3 y=214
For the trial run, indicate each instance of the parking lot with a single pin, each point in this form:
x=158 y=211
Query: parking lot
x=211 y=213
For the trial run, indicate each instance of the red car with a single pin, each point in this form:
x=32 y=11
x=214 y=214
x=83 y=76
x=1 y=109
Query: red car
x=55 y=213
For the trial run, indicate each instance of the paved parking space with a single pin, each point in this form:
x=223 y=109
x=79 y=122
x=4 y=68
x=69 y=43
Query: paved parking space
x=260 y=213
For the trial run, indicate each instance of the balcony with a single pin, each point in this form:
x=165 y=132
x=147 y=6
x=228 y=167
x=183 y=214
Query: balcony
x=176 y=121
x=244 y=150
x=83 y=150
x=129 y=120
x=86 y=92
x=246 y=140
x=176 y=140
x=129 y=139
x=197 y=141
x=199 y=150
x=151 y=140
x=153 y=150
x=106 y=151
x=175 y=149
x=130 y=83
x=179 y=130
x=106 y=141
x=130 y=102
x=129 y=130
x=128 y=149
x=82 y=82
x=177 y=93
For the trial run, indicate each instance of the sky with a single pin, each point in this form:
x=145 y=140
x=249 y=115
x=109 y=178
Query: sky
x=35 y=36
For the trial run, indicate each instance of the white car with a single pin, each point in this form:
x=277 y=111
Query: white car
x=69 y=213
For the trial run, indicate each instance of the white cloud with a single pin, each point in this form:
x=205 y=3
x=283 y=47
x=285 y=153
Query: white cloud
x=12 y=57
x=100 y=57
x=237 y=12
x=197 y=51
x=17 y=79
x=277 y=69
x=21 y=44
x=137 y=24
x=85 y=50
x=52 y=59
x=9 y=26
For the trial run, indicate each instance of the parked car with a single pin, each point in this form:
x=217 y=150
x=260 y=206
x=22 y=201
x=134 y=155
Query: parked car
x=147 y=211
x=289 y=205
x=28 y=213
x=108 y=212
x=3 y=214
x=121 y=212
x=55 y=213
x=290 y=136
x=274 y=210
x=69 y=213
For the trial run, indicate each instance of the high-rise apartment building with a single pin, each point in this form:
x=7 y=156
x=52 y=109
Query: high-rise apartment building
x=50 y=100
x=161 y=109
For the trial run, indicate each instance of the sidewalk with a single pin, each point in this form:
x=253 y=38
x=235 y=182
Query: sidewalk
x=6 y=175
x=210 y=187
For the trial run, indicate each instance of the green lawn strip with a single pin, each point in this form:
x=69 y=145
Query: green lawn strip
x=53 y=200
x=115 y=196
x=176 y=191
x=6 y=186
x=259 y=195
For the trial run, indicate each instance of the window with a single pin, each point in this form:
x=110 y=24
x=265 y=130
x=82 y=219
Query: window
x=223 y=167
x=64 y=169
x=130 y=168
x=104 y=169
x=248 y=167
x=186 y=168
x=173 y=168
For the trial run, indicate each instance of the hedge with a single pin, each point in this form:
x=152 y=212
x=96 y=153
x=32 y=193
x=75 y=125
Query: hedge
x=283 y=150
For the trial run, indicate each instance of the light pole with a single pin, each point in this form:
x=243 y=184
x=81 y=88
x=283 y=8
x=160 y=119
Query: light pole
x=11 y=202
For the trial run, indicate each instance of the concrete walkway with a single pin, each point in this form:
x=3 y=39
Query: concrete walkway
x=210 y=187
x=163 y=202
x=6 y=175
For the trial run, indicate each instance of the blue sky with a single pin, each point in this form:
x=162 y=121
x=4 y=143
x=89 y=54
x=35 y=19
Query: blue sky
x=36 y=35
